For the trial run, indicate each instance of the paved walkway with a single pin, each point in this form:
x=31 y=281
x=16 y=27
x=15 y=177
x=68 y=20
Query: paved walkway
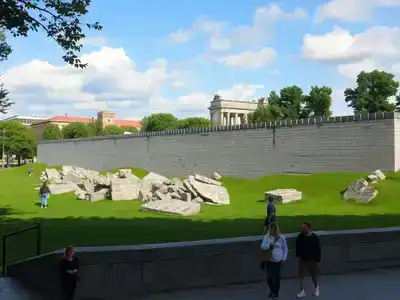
x=9 y=290
x=380 y=284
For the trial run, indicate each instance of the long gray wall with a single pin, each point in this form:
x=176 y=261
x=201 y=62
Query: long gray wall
x=127 y=272
x=354 y=143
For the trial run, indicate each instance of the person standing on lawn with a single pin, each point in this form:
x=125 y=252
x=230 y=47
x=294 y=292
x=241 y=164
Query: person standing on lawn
x=271 y=215
x=44 y=194
x=274 y=242
x=69 y=273
x=308 y=252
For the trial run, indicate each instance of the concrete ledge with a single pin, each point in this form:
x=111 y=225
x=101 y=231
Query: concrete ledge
x=270 y=125
x=123 y=272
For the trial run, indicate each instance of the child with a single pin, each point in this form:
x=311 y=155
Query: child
x=30 y=171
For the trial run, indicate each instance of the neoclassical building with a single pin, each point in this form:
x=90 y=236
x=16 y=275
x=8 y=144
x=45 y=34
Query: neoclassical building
x=231 y=112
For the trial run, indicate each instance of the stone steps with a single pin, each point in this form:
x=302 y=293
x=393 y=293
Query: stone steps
x=12 y=290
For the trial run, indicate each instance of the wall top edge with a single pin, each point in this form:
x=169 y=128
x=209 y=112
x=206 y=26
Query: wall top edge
x=206 y=242
x=275 y=124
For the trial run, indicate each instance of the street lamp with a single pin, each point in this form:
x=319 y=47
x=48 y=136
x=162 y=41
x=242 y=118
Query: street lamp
x=2 y=153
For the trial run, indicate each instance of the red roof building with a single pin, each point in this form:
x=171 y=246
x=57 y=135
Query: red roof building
x=106 y=118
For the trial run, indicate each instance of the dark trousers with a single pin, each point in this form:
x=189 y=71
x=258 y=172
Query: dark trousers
x=69 y=287
x=274 y=277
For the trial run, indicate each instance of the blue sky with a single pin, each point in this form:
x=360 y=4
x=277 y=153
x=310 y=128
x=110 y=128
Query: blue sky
x=172 y=56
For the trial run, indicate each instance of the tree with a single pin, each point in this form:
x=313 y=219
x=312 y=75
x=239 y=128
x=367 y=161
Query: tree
x=290 y=101
x=5 y=102
x=159 y=122
x=52 y=132
x=372 y=93
x=265 y=113
x=274 y=99
x=5 y=49
x=61 y=20
x=318 y=102
x=194 y=122
x=76 y=130
x=130 y=129
x=95 y=128
x=19 y=140
x=113 y=130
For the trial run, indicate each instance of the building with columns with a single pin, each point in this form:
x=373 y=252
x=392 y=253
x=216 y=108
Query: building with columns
x=231 y=112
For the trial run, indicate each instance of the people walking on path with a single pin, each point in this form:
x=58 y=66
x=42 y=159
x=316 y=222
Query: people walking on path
x=275 y=251
x=308 y=252
x=44 y=193
x=271 y=215
x=69 y=273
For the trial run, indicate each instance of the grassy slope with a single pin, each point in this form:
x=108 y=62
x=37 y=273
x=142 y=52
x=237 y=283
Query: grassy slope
x=69 y=221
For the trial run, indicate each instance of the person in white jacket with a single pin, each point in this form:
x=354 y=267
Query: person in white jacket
x=274 y=241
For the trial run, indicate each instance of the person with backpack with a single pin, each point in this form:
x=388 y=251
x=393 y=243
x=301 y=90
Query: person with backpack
x=308 y=252
x=271 y=215
x=44 y=193
x=274 y=252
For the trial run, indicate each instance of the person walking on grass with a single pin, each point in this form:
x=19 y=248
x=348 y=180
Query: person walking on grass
x=69 y=273
x=44 y=193
x=271 y=215
x=308 y=252
x=274 y=243
x=30 y=171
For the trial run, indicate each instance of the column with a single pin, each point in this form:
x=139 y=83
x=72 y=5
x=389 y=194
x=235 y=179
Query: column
x=235 y=119
x=221 y=119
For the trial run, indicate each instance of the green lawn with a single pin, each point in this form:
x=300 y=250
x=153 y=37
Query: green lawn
x=69 y=221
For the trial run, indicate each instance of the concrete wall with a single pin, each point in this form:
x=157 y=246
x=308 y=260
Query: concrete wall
x=360 y=143
x=397 y=143
x=127 y=272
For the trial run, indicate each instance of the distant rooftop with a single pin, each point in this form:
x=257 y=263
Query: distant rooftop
x=71 y=119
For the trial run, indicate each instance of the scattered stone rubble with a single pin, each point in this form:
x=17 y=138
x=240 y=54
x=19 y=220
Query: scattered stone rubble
x=360 y=192
x=156 y=191
x=284 y=196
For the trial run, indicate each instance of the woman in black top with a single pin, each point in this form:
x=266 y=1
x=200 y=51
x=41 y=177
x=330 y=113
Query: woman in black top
x=69 y=268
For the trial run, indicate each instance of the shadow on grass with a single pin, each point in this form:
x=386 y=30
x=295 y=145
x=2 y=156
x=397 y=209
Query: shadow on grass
x=58 y=233
x=6 y=210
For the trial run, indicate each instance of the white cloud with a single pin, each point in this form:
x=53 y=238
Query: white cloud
x=340 y=44
x=40 y=87
x=351 y=70
x=375 y=48
x=94 y=41
x=241 y=92
x=197 y=103
x=351 y=10
x=249 y=59
x=181 y=36
x=224 y=37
